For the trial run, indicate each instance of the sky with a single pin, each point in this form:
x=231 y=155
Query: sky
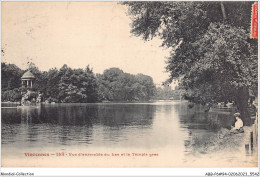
x=78 y=34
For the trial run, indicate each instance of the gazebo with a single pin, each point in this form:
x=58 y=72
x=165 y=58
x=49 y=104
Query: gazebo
x=27 y=79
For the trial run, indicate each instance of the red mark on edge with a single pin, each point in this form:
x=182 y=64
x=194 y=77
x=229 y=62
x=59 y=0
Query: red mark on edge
x=254 y=21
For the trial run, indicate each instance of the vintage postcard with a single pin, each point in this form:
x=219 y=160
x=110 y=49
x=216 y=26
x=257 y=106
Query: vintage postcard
x=129 y=84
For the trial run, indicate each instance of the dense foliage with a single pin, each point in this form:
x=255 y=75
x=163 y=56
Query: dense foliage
x=211 y=55
x=116 y=85
x=11 y=76
x=78 y=85
x=166 y=92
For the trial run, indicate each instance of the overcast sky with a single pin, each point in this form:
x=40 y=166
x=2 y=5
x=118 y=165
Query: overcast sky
x=51 y=34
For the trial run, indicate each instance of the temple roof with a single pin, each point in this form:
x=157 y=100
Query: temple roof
x=28 y=75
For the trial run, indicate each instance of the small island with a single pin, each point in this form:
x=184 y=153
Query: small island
x=68 y=85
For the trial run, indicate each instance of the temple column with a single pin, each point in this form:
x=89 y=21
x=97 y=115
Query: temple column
x=31 y=84
x=27 y=83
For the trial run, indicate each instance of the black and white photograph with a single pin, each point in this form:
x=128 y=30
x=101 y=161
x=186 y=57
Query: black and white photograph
x=129 y=84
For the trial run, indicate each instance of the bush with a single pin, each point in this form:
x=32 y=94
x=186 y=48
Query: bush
x=11 y=95
x=33 y=95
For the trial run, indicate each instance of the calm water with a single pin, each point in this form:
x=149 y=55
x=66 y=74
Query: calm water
x=84 y=126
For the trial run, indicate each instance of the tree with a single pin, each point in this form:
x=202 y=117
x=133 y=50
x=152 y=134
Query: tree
x=10 y=76
x=115 y=85
x=148 y=87
x=211 y=53
x=89 y=82
x=40 y=81
x=77 y=85
x=11 y=95
x=53 y=78
x=164 y=93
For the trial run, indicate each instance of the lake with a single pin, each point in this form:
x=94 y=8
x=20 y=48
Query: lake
x=179 y=135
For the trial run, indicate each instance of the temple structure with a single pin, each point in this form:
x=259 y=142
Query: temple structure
x=30 y=97
x=28 y=79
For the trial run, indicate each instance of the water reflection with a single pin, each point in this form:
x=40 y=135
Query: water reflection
x=149 y=125
x=67 y=124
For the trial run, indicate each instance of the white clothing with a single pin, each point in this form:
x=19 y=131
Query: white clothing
x=238 y=124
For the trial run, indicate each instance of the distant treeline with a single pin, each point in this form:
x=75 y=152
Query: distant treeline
x=165 y=92
x=78 y=85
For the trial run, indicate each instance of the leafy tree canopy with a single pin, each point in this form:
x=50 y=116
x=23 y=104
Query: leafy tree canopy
x=211 y=55
x=69 y=85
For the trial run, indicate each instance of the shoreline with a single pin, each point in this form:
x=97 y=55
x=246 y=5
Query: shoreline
x=10 y=102
x=150 y=101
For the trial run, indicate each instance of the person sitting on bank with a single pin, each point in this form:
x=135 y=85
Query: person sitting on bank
x=238 y=124
x=234 y=130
